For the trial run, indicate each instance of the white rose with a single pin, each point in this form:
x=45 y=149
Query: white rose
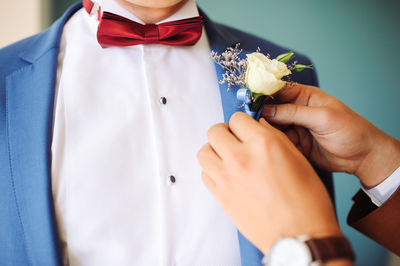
x=264 y=75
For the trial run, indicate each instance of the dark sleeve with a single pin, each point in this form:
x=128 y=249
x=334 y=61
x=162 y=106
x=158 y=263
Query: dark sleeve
x=380 y=224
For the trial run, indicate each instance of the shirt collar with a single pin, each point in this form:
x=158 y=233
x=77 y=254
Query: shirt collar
x=189 y=9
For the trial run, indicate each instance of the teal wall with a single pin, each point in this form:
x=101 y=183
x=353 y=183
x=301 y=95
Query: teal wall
x=355 y=47
x=58 y=7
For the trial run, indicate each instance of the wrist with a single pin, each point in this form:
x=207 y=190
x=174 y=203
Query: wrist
x=326 y=231
x=303 y=250
x=380 y=162
x=316 y=228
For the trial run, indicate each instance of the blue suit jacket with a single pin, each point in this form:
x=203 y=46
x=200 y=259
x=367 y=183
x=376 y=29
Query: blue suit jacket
x=28 y=229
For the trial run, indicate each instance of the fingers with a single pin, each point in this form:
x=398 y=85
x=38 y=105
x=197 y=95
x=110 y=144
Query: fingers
x=287 y=114
x=209 y=160
x=244 y=127
x=301 y=138
x=303 y=106
x=292 y=135
x=208 y=182
x=301 y=94
x=305 y=141
x=221 y=139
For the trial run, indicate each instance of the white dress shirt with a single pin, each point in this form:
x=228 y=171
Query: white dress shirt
x=115 y=147
x=383 y=191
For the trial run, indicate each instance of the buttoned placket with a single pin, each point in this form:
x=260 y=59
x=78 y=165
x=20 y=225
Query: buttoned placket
x=165 y=179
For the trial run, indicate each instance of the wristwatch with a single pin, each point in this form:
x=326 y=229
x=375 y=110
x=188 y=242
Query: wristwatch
x=305 y=251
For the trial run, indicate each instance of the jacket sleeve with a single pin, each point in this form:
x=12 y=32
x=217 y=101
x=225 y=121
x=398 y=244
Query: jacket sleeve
x=380 y=224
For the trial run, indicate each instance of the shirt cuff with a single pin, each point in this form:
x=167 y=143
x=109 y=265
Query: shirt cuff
x=380 y=193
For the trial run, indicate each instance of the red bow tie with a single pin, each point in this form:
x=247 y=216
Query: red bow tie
x=115 y=30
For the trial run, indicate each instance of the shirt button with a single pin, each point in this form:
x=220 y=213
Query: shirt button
x=172 y=179
x=163 y=100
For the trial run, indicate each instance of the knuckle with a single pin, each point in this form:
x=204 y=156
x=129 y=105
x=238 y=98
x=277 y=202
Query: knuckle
x=267 y=145
x=262 y=139
x=327 y=116
x=212 y=131
x=275 y=145
x=240 y=161
x=235 y=117
x=273 y=149
x=202 y=152
x=233 y=151
x=237 y=160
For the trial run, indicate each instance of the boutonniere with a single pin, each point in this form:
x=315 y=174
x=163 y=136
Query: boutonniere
x=257 y=75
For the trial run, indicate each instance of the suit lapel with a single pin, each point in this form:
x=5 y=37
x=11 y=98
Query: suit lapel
x=29 y=107
x=29 y=113
x=219 y=41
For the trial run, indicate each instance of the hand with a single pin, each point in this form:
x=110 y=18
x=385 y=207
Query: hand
x=265 y=185
x=333 y=136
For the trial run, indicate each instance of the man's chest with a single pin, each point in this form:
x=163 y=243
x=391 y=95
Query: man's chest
x=127 y=127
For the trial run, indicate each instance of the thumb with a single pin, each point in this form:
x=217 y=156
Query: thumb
x=288 y=114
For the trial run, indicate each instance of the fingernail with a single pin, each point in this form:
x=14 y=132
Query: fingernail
x=269 y=110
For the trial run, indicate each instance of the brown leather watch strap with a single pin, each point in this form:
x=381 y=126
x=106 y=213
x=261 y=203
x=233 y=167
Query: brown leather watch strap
x=330 y=248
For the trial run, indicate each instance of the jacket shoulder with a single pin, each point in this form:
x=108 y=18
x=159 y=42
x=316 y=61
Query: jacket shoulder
x=10 y=55
x=251 y=42
x=28 y=50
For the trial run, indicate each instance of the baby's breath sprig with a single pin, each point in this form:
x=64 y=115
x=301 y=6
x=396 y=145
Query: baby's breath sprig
x=235 y=68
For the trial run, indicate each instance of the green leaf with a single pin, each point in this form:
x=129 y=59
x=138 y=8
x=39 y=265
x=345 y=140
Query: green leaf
x=300 y=67
x=256 y=95
x=285 y=57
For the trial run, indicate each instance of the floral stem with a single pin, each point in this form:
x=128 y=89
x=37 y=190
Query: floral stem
x=256 y=105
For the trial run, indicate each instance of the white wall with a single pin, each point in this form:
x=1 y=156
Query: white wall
x=19 y=19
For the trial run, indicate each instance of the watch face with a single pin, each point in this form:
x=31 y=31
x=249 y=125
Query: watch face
x=289 y=252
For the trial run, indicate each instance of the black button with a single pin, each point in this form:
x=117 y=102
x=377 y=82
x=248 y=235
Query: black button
x=163 y=100
x=172 y=179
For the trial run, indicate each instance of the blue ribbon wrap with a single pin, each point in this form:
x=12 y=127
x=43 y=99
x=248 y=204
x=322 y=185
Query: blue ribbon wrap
x=244 y=95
